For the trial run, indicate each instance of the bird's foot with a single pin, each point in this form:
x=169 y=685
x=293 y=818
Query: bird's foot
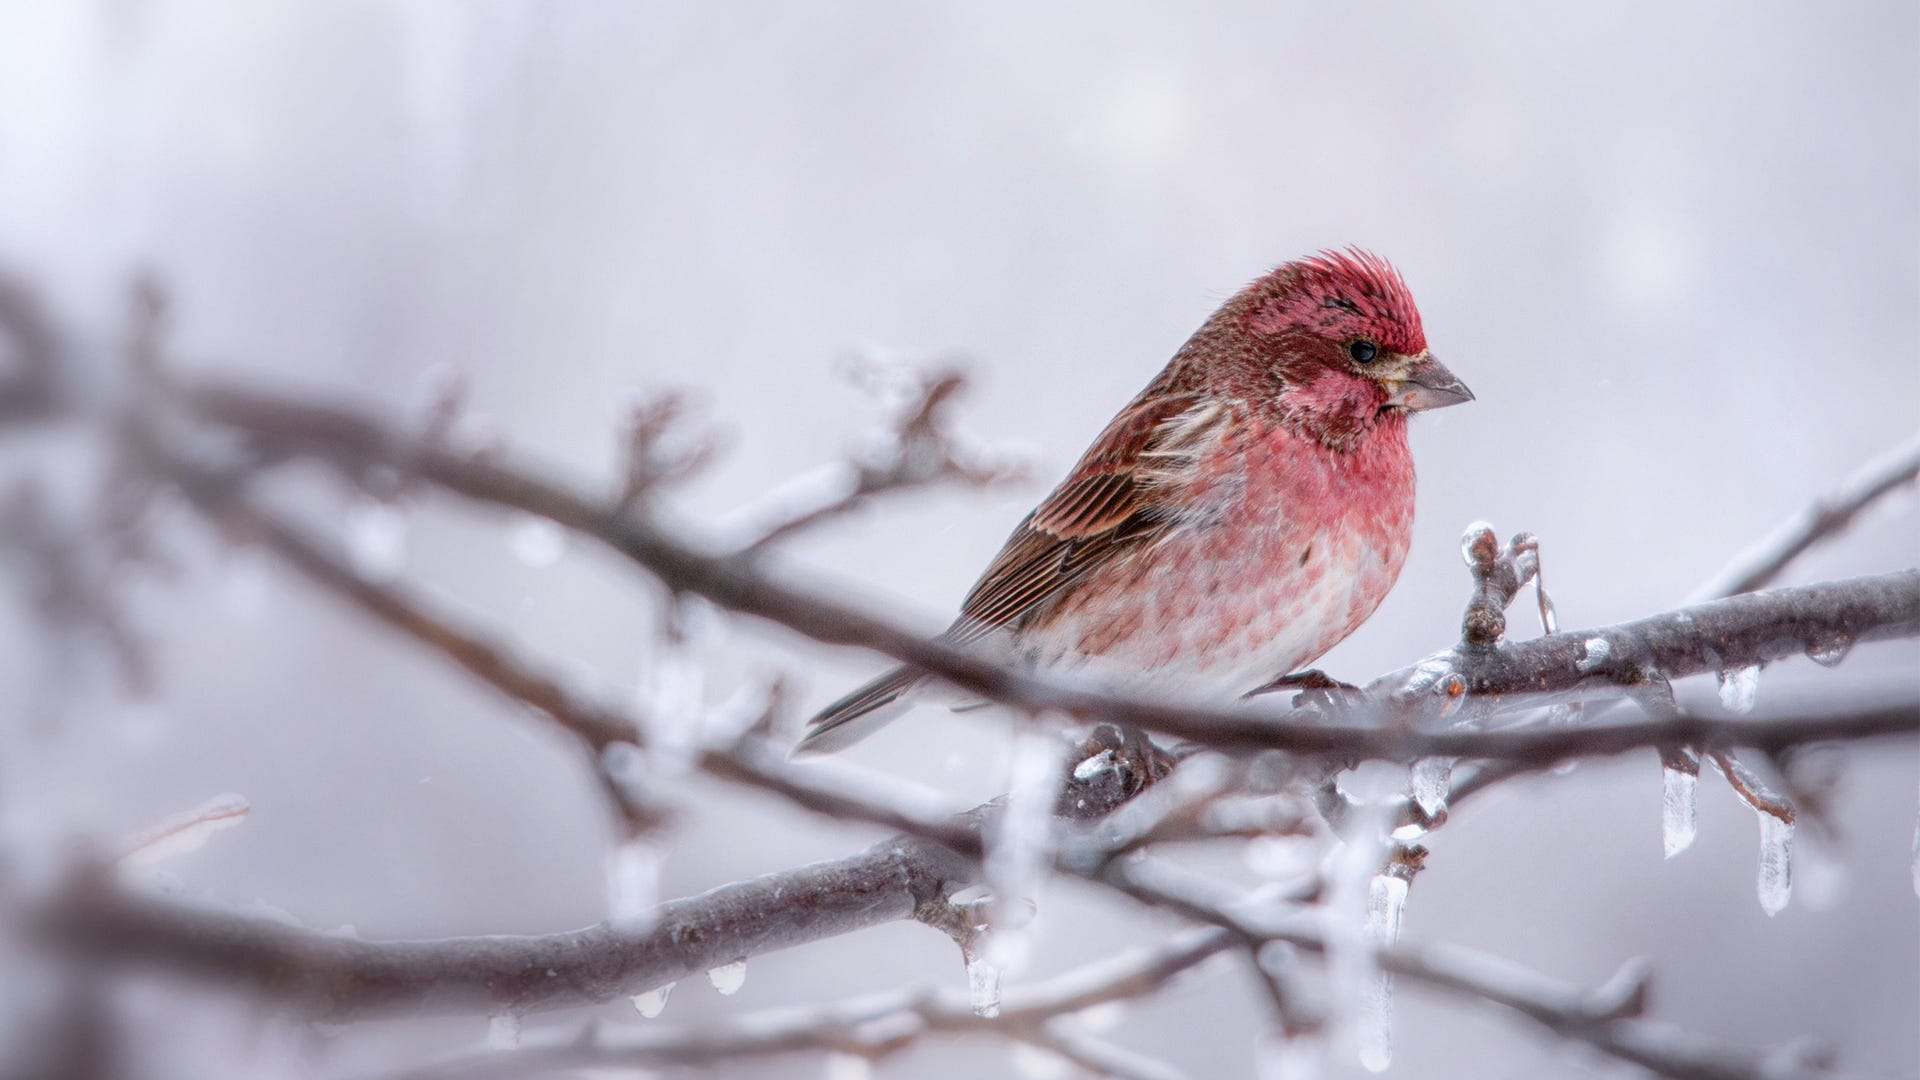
x=1117 y=755
x=1310 y=679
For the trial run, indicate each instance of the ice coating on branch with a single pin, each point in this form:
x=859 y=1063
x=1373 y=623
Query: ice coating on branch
x=1738 y=688
x=503 y=1031
x=729 y=978
x=1431 y=780
x=536 y=541
x=1677 y=819
x=376 y=539
x=1428 y=672
x=653 y=1002
x=1021 y=843
x=1478 y=545
x=1776 y=862
x=1596 y=650
x=633 y=885
x=186 y=832
x=983 y=984
x=1386 y=902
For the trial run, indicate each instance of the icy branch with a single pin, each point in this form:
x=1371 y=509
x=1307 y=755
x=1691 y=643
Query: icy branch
x=1824 y=517
x=873 y=1026
x=1708 y=637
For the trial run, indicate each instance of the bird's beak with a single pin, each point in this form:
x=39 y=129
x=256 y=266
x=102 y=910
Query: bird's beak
x=1427 y=385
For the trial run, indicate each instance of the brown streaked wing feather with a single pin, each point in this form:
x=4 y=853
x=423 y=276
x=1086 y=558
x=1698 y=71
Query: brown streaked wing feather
x=1111 y=504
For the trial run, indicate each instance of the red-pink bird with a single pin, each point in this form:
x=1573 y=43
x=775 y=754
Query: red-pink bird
x=1244 y=514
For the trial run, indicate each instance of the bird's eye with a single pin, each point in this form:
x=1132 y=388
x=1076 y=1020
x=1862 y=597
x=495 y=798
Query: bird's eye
x=1363 y=351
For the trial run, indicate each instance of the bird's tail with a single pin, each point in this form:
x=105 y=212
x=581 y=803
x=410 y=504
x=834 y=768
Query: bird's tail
x=860 y=713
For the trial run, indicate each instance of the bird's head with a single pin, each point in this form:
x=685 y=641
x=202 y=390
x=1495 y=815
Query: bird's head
x=1340 y=334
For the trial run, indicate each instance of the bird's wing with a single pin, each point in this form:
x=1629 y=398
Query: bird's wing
x=1118 y=500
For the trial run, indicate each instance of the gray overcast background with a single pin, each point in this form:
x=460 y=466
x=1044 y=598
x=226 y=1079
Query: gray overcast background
x=1674 y=248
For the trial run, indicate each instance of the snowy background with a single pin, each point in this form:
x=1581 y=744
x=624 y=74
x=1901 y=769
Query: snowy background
x=1671 y=247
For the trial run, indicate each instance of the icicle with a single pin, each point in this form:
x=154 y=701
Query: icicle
x=376 y=539
x=633 y=885
x=1478 y=545
x=1776 y=862
x=653 y=1002
x=1021 y=849
x=729 y=978
x=983 y=984
x=1432 y=780
x=1738 y=687
x=1386 y=901
x=845 y=1066
x=536 y=541
x=1595 y=651
x=1677 y=820
x=503 y=1031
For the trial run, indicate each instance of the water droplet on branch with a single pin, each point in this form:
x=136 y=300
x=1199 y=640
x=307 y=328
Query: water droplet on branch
x=653 y=1002
x=729 y=978
x=1831 y=652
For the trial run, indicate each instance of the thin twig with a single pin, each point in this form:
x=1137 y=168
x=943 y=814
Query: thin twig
x=1824 y=517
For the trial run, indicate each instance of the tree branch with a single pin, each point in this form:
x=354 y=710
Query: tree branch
x=1710 y=637
x=1825 y=516
x=874 y=1025
x=334 y=978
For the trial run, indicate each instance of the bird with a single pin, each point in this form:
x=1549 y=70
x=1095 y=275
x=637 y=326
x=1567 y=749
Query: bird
x=1243 y=514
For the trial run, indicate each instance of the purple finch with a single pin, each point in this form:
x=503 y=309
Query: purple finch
x=1244 y=514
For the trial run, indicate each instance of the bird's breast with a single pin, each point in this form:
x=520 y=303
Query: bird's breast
x=1284 y=547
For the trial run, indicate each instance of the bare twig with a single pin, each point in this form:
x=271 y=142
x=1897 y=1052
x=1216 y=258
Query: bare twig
x=1824 y=517
x=1497 y=576
x=918 y=450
